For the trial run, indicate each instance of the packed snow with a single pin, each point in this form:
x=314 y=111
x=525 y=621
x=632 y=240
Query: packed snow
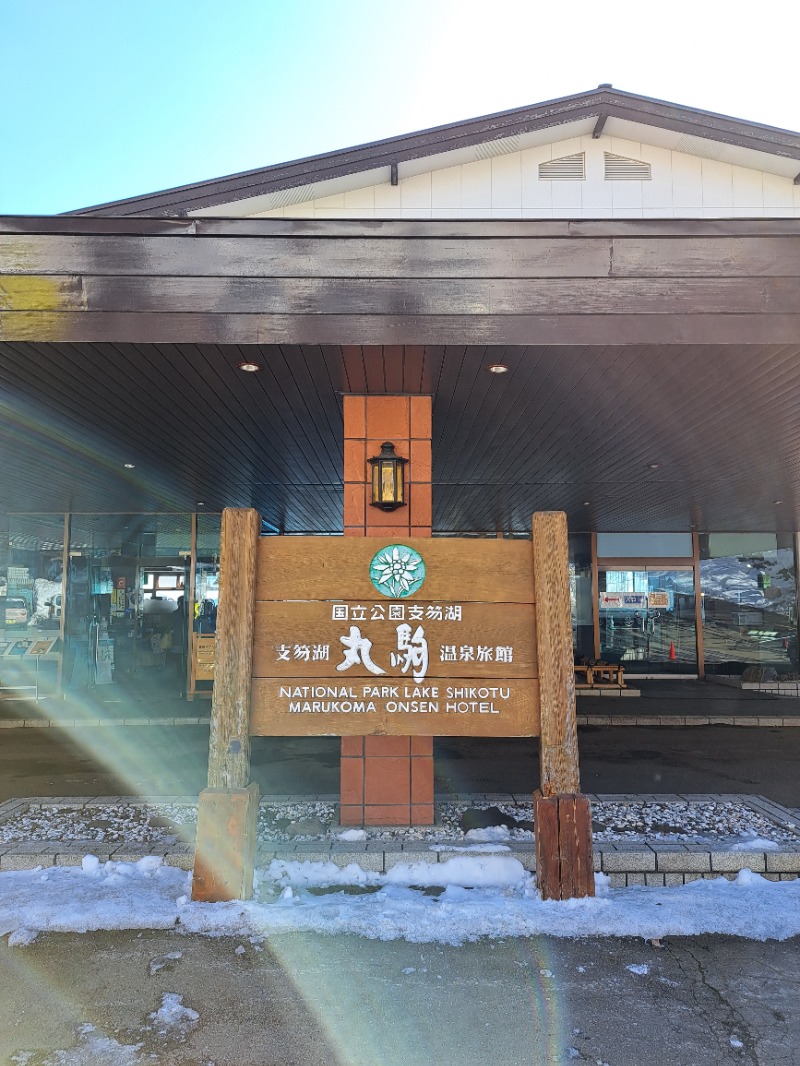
x=466 y=898
x=172 y=1018
x=92 y=1048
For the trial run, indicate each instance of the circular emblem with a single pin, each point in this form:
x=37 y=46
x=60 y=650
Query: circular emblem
x=397 y=571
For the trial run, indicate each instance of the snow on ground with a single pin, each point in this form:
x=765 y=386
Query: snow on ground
x=172 y=1022
x=92 y=1048
x=474 y=896
x=172 y=1018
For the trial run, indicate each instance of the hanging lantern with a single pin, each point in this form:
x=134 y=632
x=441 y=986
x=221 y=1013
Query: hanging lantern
x=388 y=478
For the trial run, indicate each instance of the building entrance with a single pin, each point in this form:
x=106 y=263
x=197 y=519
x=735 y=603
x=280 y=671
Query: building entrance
x=647 y=619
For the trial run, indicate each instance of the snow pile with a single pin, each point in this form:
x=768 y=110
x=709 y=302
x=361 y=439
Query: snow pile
x=93 y=1048
x=491 y=833
x=172 y=1018
x=466 y=898
x=755 y=844
x=640 y=968
x=110 y=895
x=352 y=834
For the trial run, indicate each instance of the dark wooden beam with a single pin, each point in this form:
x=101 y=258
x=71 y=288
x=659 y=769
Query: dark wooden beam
x=567 y=329
x=599 y=126
x=378 y=297
x=392 y=255
x=394 y=177
x=529 y=229
x=576 y=283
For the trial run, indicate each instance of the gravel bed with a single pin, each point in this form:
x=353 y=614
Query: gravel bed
x=168 y=823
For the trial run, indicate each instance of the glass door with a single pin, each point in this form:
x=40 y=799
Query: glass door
x=647 y=619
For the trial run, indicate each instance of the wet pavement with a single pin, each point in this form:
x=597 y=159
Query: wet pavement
x=172 y=760
x=310 y=1000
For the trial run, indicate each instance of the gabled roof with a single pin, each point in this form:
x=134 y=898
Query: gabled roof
x=753 y=144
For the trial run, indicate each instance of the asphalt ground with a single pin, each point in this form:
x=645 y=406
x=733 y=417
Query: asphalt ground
x=172 y=760
x=306 y=1000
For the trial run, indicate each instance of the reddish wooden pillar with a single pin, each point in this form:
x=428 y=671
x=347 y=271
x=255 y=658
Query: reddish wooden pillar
x=387 y=780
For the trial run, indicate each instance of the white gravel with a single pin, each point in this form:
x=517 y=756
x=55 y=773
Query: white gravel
x=135 y=823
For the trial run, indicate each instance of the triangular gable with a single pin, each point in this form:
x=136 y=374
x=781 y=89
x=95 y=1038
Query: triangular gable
x=581 y=177
x=601 y=114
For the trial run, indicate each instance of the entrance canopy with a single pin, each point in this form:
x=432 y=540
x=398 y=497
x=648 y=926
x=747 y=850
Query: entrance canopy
x=653 y=370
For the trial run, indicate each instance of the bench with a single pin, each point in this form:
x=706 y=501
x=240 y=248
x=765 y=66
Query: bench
x=599 y=674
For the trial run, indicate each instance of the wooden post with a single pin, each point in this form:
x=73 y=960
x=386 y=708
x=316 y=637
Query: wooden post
x=562 y=819
x=229 y=743
x=563 y=825
x=225 y=851
x=226 y=821
x=558 y=742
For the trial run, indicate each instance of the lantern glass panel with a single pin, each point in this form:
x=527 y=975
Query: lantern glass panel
x=387 y=483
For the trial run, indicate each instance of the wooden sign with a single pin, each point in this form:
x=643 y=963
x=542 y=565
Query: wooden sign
x=425 y=637
x=359 y=637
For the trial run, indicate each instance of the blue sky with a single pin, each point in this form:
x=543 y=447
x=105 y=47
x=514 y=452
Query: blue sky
x=111 y=98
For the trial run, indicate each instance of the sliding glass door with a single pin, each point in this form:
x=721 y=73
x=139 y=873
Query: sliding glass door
x=647 y=619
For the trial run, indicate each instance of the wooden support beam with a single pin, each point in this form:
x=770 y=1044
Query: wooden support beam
x=599 y=126
x=558 y=742
x=229 y=743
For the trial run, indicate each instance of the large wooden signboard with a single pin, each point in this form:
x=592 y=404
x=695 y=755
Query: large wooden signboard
x=426 y=637
x=364 y=636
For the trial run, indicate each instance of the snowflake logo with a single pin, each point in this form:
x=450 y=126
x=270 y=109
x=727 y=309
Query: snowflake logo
x=397 y=571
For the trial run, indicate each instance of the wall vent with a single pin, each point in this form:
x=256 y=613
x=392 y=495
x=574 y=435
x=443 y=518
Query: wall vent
x=700 y=147
x=567 y=168
x=492 y=149
x=289 y=197
x=622 y=168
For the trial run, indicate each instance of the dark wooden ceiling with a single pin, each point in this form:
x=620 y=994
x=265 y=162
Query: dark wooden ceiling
x=653 y=384
x=636 y=437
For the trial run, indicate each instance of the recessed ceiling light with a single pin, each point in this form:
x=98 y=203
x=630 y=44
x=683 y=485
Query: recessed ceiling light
x=587 y=503
x=654 y=466
x=249 y=368
x=128 y=466
x=777 y=502
x=497 y=368
x=200 y=503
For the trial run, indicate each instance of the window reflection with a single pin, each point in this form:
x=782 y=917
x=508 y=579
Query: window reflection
x=580 y=593
x=647 y=620
x=748 y=585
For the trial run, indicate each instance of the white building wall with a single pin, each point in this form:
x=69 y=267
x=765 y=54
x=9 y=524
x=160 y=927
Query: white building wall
x=508 y=186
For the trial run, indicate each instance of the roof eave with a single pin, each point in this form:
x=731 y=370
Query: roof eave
x=374 y=155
